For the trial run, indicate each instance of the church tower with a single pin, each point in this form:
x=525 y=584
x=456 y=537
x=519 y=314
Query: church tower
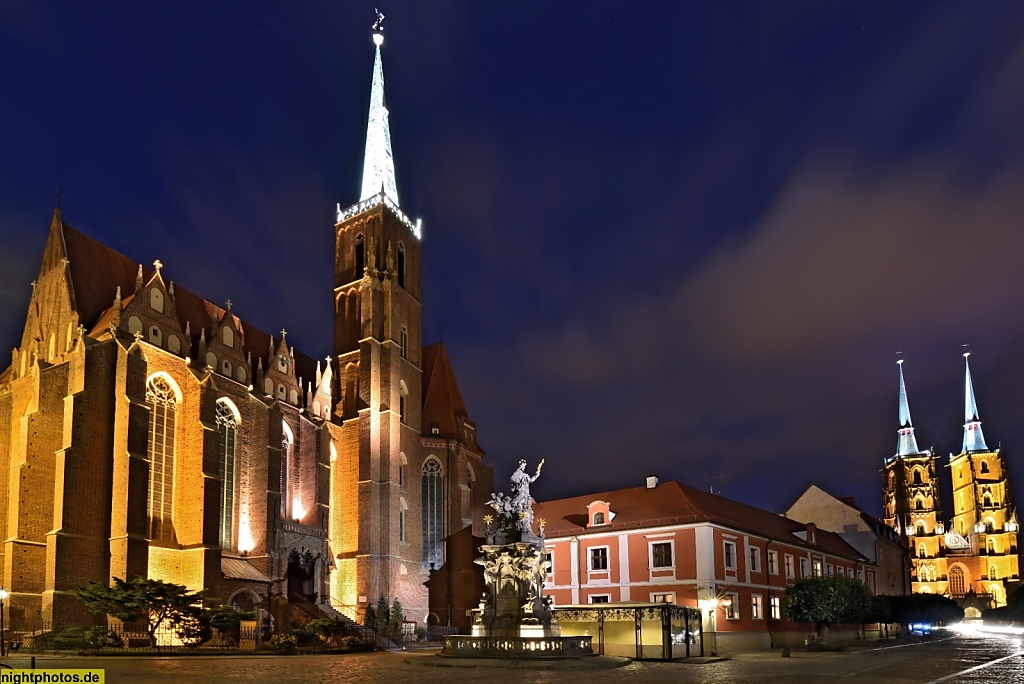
x=377 y=348
x=910 y=497
x=981 y=512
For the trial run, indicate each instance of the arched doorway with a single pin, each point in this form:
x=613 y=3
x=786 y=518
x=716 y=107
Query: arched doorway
x=300 y=577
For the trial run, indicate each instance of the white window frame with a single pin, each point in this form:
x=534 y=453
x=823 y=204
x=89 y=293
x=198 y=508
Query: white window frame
x=671 y=549
x=755 y=558
x=816 y=567
x=728 y=553
x=828 y=569
x=773 y=562
x=663 y=597
x=805 y=567
x=790 y=566
x=607 y=559
x=775 y=607
x=732 y=611
x=590 y=599
x=550 y=553
x=757 y=607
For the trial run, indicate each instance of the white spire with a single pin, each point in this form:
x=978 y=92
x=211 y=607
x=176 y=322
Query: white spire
x=378 y=162
x=906 y=443
x=974 y=440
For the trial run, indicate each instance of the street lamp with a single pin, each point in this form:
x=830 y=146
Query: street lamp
x=711 y=604
x=3 y=640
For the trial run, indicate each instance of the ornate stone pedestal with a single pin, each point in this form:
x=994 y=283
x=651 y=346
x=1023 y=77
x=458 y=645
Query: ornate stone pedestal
x=514 y=618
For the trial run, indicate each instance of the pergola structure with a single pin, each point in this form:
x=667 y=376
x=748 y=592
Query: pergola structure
x=645 y=631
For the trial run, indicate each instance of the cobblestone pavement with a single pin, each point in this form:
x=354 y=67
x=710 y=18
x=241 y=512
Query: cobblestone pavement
x=952 y=658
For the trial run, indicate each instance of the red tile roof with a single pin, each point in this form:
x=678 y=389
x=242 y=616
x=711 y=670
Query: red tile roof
x=97 y=271
x=443 y=407
x=671 y=503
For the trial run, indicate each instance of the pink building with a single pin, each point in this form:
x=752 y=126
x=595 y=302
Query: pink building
x=670 y=542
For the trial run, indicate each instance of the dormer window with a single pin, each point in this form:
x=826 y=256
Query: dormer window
x=155 y=336
x=599 y=513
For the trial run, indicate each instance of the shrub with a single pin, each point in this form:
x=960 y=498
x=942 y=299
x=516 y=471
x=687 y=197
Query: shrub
x=72 y=638
x=284 y=644
x=101 y=637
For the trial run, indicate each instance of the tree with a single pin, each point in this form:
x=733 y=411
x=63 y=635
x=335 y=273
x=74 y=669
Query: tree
x=141 y=600
x=193 y=626
x=227 y=620
x=930 y=608
x=383 y=616
x=396 y=619
x=825 y=601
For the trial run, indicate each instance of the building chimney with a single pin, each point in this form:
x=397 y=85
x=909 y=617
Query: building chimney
x=652 y=481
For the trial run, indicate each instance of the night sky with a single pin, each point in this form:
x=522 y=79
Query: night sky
x=669 y=238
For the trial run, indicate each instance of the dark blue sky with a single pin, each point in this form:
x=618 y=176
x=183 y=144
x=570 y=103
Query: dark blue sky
x=677 y=239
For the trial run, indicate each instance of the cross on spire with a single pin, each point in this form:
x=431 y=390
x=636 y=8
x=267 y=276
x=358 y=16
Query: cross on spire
x=157 y=265
x=906 y=443
x=974 y=440
x=378 y=160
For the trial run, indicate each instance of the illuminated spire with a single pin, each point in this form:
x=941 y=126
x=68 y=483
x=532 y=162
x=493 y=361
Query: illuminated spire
x=974 y=440
x=907 y=442
x=378 y=162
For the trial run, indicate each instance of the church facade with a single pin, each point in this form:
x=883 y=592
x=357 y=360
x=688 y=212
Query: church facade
x=148 y=432
x=974 y=558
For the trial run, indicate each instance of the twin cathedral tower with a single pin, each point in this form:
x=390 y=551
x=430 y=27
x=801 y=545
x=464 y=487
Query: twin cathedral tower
x=149 y=432
x=973 y=557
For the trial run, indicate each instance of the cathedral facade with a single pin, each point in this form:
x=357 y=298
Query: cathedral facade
x=974 y=558
x=148 y=432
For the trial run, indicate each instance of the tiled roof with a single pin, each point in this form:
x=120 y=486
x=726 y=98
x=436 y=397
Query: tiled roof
x=238 y=568
x=443 y=407
x=97 y=271
x=671 y=503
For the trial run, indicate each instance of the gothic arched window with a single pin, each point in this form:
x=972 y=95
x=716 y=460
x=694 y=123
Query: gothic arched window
x=919 y=505
x=432 y=497
x=401 y=265
x=917 y=477
x=291 y=504
x=163 y=404
x=922 y=552
x=360 y=257
x=920 y=530
x=984 y=466
x=227 y=430
x=957 y=583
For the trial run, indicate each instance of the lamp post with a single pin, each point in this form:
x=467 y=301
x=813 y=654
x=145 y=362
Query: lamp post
x=715 y=600
x=3 y=639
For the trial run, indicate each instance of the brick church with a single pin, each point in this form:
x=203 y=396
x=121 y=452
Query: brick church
x=974 y=558
x=149 y=432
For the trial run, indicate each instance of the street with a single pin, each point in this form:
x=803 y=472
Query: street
x=949 y=657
